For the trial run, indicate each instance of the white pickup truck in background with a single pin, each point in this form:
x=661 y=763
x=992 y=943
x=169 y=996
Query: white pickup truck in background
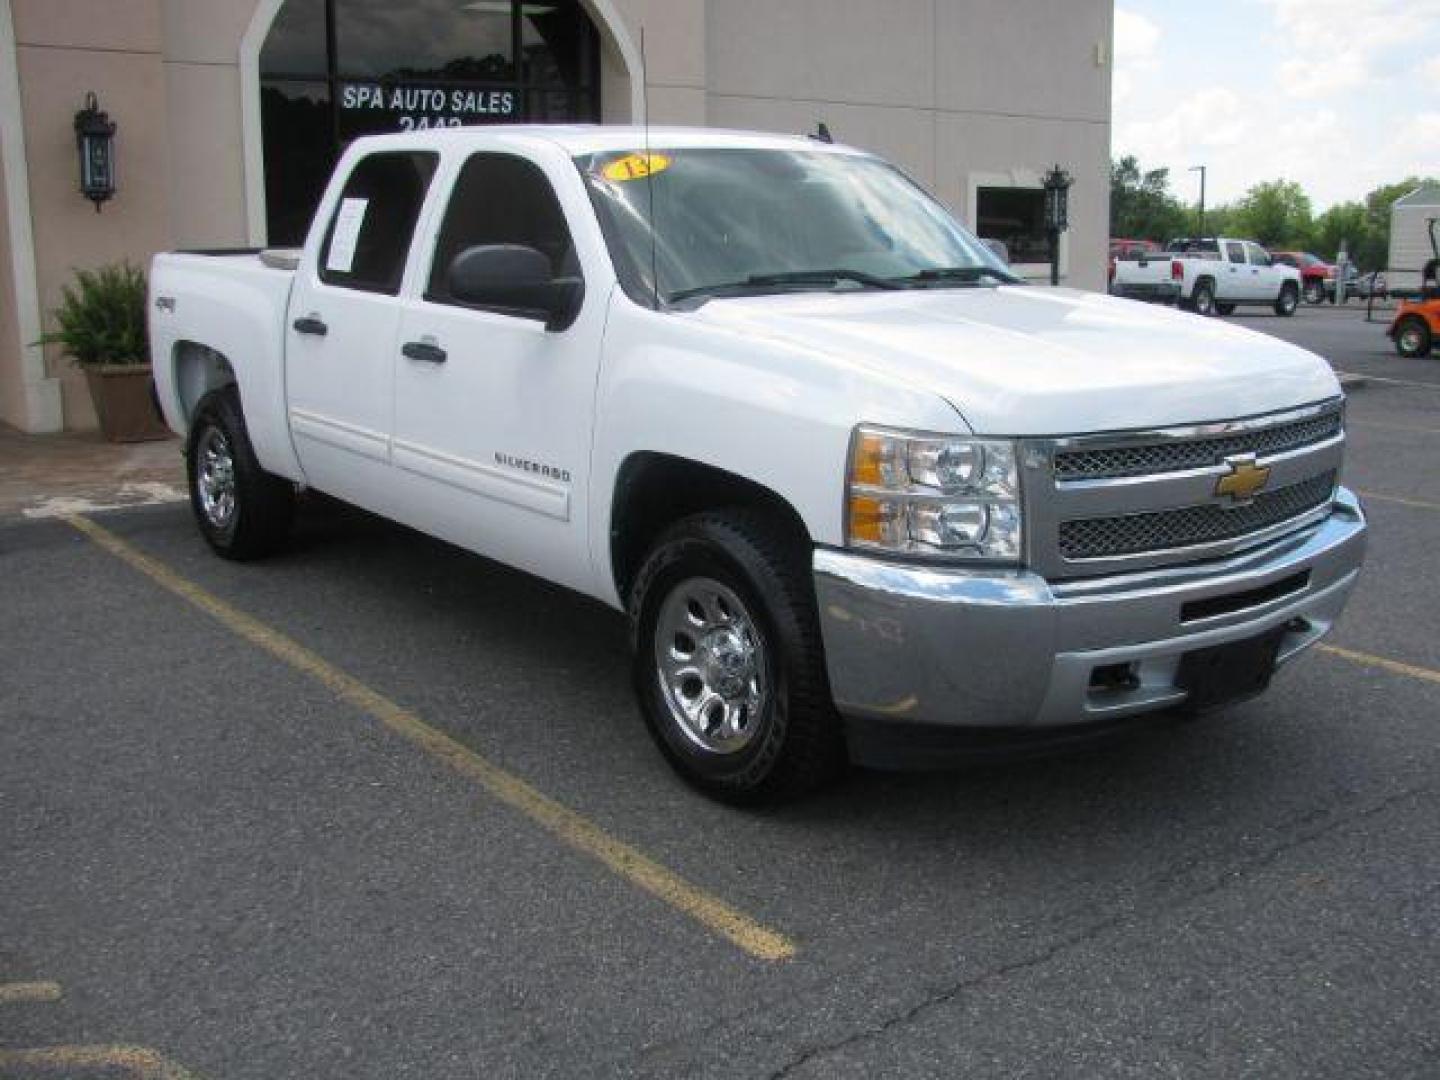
x=863 y=494
x=1211 y=276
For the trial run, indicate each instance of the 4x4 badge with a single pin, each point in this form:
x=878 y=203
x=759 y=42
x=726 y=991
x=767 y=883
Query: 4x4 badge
x=1244 y=479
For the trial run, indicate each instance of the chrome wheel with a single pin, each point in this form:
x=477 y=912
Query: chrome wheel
x=712 y=666
x=215 y=478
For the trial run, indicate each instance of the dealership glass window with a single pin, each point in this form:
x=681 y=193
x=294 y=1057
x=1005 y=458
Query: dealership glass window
x=1016 y=217
x=334 y=70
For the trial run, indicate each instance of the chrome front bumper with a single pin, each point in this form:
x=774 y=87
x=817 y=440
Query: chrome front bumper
x=966 y=649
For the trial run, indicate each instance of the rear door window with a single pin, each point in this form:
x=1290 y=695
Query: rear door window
x=369 y=236
x=1235 y=251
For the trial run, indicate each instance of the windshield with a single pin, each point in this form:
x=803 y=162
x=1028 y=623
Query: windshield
x=737 y=222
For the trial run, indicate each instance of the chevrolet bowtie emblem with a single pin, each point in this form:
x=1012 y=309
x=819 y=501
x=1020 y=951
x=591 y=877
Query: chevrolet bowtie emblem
x=1244 y=479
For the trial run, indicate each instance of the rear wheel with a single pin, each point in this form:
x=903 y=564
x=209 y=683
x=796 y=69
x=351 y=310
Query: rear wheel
x=242 y=511
x=1203 y=299
x=1314 y=291
x=729 y=664
x=1412 y=337
x=1288 y=300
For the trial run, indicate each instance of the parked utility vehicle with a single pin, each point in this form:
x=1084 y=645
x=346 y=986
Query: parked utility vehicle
x=1212 y=276
x=1415 y=330
x=862 y=493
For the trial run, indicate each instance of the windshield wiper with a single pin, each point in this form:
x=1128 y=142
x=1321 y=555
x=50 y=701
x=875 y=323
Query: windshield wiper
x=960 y=275
x=789 y=277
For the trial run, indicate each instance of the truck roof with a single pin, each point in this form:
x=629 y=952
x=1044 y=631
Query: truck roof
x=597 y=138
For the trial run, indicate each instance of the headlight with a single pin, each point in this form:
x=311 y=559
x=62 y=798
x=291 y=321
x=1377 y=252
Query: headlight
x=928 y=495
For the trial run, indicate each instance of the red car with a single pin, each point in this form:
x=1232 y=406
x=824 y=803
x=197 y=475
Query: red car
x=1315 y=273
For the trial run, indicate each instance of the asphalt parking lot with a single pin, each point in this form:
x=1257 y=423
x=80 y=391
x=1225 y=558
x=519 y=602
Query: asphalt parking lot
x=376 y=808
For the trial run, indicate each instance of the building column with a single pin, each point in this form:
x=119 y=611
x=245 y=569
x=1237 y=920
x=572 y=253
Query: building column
x=29 y=399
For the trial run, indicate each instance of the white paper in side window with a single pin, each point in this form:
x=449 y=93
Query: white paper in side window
x=347 y=234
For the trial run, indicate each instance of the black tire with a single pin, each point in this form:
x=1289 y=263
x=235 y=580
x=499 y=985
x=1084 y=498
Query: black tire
x=792 y=742
x=1288 y=300
x=1412 y=337
x=1203 y=298
x=1314 y=291
x=1224 y=309
x=261 y=506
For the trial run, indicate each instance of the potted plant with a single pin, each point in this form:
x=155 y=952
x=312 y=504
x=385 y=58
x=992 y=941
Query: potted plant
x=101 y=322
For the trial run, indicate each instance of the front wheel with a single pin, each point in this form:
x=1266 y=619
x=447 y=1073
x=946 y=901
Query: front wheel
x=242 y=511
x=1314 y=292
x=1288 y=300
x=1412 y=337
x=729 y=666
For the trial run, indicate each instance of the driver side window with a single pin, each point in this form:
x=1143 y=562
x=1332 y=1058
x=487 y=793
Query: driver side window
x=501 y=199
x=1258 y=255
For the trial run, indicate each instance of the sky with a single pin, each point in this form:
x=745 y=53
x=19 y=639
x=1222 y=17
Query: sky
x=1339 y=95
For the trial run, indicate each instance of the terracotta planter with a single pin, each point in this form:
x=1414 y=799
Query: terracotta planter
x=124 y=403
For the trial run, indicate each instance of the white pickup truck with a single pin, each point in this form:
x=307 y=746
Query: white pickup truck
x=1210 y=275
x=862 y=493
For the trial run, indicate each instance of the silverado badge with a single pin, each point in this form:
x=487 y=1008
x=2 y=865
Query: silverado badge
x=1244 y=479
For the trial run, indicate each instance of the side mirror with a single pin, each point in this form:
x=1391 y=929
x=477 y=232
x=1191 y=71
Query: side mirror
x=516 y=280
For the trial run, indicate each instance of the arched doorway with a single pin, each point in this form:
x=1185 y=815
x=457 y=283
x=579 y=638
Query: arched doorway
x=333 y=70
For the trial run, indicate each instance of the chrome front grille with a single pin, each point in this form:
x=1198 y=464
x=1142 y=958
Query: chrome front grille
x=1163 y=530
x=1136 y=500
x=1148 y=458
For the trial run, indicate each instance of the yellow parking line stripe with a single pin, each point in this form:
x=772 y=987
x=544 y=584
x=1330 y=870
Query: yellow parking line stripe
x=1412 y=671
x=567 y=825
x=146 y=1064
x=1420 y=503
x=28 y=992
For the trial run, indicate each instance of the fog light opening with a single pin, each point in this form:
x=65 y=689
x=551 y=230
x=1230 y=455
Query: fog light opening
x=1117 y=677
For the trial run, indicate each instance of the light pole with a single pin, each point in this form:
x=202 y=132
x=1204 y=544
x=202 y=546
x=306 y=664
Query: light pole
x=1201 y=170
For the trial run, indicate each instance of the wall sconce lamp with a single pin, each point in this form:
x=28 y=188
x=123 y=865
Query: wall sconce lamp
x=95 y=137
x=1057 y=214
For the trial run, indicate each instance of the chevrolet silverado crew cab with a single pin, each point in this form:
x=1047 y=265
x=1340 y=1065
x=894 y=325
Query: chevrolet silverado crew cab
x=863 y=494
x=1210 y=276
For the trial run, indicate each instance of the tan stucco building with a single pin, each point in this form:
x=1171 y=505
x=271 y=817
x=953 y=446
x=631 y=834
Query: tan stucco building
x=230 y=111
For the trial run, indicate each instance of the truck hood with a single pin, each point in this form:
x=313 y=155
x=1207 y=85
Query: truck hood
x=1035 y=361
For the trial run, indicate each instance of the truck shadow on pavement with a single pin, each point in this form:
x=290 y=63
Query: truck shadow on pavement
x=539 y=639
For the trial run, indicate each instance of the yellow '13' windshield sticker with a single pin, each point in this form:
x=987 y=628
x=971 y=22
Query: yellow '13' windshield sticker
x=635 y=166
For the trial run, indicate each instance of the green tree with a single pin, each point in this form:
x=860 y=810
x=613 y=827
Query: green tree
x=1141 y=206
x=1349 y=223
x=1277 y=214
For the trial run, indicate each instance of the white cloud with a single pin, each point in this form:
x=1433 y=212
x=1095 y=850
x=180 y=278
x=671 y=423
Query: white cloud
x=1335 y=45
x=1136 y=37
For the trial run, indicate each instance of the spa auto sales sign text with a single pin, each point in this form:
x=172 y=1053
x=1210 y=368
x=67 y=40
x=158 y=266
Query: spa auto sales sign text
x=417 y=108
